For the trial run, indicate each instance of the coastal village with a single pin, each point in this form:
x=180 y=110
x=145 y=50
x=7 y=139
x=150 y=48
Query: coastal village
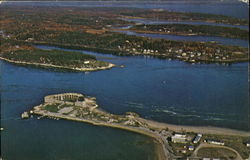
x=175 y=144
x=190 y=56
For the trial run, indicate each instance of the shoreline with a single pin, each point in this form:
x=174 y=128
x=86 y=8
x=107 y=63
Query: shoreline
x=179 y=20
x=179 y=34
x=161 y=151
x=80 y=108
x=200 y=129
x=162 y=145
x=57 y=66
x=159 y=56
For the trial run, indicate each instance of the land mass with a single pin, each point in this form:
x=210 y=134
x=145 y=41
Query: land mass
x=78 y=107
x=55 y=59
x=94 y=29
x=186 y=29
x=161 y=14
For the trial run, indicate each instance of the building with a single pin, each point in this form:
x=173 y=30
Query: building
x=68 y=98
x=197 y=138
x=214 y=142
x=179 y=138
x=247 y=143
x=25 y=115
x=191 y=148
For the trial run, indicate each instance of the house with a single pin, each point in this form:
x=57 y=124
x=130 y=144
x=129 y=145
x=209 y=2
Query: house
x=179 y=138
x=247 y=143
x=197 y=138
x=86 y=62
x=191 y=148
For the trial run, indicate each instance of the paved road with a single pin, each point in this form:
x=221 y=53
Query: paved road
x=204 y=145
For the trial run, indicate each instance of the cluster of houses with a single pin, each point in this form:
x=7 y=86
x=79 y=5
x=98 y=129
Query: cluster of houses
x=176 y=53
x=190 y=142
x=194 y=56
x=3 y=35
x=136 y=49
x=183 y=138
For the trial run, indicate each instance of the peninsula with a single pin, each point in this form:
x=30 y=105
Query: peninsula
x=55 y=59
x=78 y=107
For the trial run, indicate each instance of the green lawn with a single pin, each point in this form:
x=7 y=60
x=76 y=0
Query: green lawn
x=52 y=108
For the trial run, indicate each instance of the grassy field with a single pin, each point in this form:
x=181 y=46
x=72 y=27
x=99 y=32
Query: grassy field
x=51 y=108
x=234 y=142
x=221 y=153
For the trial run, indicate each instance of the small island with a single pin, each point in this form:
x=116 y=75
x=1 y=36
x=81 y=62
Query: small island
x=174 y=141
x=55 y=59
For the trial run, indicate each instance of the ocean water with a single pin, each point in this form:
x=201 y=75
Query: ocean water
x=47 y=139
x=163 y=90
x=167 y=91
x=228 y=8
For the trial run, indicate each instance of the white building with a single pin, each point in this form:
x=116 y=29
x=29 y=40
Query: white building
x=214 y=142
x=179 y=138
x=197 y=138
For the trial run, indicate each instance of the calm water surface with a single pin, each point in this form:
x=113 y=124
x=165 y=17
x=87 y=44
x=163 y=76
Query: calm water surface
x=151 y=21
x=162 y=90
x=45 y=139
x=235 y=9
x=219 y=40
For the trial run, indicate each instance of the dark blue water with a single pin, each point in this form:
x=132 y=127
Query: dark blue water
x=162 y=90
x=151 y=21
x=228 y=8
x=45 y=139
x=168 y=91
x=220 y=40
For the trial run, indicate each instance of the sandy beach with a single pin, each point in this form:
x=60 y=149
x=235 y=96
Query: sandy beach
x=197 y=129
